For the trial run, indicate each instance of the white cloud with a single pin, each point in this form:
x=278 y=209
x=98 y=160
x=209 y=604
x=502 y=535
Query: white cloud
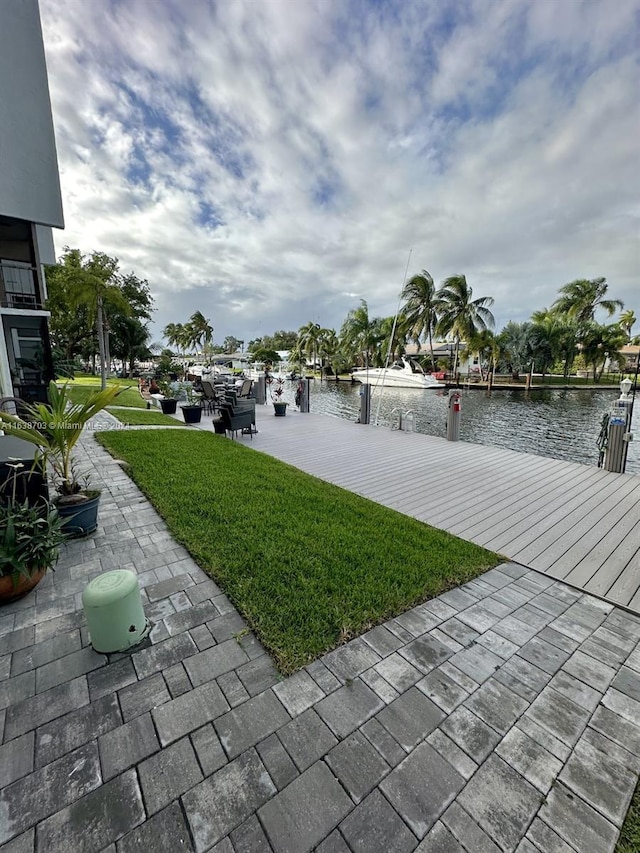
x=272 y=163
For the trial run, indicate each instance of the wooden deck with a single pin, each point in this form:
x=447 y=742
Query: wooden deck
x=573 y=522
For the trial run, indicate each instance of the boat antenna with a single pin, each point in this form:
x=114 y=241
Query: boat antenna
x=393 y=333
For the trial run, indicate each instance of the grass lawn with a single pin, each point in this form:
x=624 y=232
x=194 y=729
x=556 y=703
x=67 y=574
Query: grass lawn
x=629 y=841
x=129 y=396
x=308 y=564
x=143 y=417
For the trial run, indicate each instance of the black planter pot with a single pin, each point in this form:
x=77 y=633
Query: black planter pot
x=280 y=409
x=80 y=518
x=191 y=414
x=168 y=406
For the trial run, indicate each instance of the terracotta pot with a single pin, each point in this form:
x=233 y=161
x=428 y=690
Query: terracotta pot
x=9 y=592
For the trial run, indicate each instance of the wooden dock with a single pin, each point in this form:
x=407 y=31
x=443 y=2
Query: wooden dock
x=573 y=522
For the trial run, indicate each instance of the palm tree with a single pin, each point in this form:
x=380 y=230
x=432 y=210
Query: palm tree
x=328 y=347
x=201 y=330
x=177 y=335
x=459 y=314
x=600 y=343
x=420 y=309
x=393 y=334
x=515 y=343
x=486 y=345
x=580 y=299
x=130 y=337
x=359 y=334
x=309 y=337
x=627 y=321
x=95 y=286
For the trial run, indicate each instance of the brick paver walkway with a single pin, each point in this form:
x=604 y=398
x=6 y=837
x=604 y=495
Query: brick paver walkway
x=500 y=716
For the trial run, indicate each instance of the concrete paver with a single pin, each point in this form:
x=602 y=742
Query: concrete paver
x=501 y=716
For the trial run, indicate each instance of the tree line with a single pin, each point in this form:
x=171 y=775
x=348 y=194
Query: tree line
x=553 y=339
x=98 y=311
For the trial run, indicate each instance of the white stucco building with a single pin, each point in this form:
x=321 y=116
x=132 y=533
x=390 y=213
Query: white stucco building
x=30 y=202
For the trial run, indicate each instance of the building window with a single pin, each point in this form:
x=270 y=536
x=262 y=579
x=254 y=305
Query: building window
x=17 y=285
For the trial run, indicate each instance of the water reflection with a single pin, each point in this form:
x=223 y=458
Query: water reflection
x=562 y=424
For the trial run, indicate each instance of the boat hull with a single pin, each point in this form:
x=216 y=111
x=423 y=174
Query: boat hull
x=392 y=379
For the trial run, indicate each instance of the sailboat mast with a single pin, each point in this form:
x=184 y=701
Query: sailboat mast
x=393 y=333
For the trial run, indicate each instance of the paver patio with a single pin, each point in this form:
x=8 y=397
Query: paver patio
x=500 y=716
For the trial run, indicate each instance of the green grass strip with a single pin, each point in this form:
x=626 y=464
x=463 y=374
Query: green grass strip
x=129 y=396
x=308 y=564
x=143 y=417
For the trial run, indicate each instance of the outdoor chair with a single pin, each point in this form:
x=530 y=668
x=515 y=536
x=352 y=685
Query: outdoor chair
x=241 y=406
x=209 y=397
x=238 y=421
x=245 y=388
x=232 y=398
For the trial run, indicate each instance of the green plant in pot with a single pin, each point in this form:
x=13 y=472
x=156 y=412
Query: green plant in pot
x=30 y=538
x=169 y=403
x=55 y=428
x=277 y=390
x=192 y=408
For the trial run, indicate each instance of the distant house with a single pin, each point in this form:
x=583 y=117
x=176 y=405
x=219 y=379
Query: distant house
x=30 y=203
x=630 y=353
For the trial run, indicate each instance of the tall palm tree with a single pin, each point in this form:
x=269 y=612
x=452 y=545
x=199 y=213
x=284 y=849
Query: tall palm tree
x=487 y=347
x=420 y=309
x=360 y=334
x=96 y=287
x=328 y=347
x=627 y=321
x=393 y=334
x=580 y=299
x=172 y=333
x=309 y=337
x=201 y=330
x=178 y=335
x=459 y=314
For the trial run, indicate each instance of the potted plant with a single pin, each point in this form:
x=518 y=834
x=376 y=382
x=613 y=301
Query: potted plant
x=192 y=409
x=30 y=538
x=168 y=403
x=277 y=390
x=55 y=428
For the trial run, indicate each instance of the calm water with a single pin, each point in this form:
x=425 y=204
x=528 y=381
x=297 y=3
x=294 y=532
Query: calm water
x=559 y=424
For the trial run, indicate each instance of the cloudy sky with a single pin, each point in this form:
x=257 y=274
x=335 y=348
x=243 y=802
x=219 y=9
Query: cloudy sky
x=272 y=162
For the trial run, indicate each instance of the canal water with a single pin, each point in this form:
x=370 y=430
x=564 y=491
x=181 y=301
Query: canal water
x=562 y=424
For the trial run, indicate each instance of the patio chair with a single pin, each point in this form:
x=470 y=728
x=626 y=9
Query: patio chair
x=238 y=421
x=232 y=398
x=209 y=397
x=242 y=406
x=245 y=388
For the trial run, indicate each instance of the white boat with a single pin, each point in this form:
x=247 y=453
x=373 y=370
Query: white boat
x=404 y=373
x=257 y=369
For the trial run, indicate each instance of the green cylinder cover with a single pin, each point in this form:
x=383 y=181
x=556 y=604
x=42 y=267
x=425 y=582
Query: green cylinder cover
x=114 y=612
